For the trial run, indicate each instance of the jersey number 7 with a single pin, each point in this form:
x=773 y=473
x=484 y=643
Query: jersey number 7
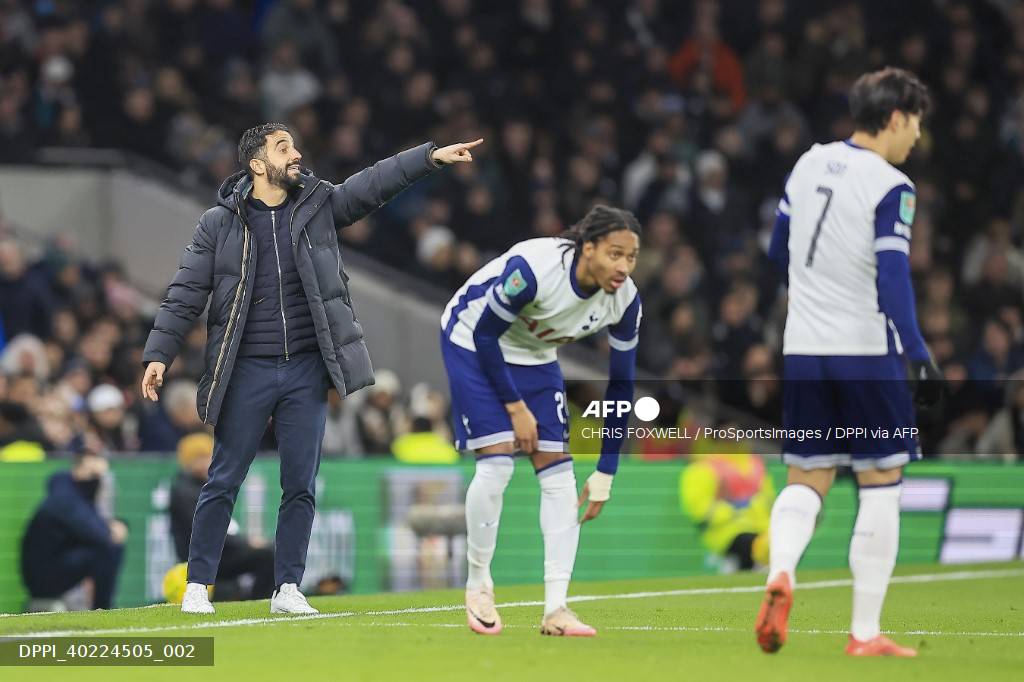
x=827 y=191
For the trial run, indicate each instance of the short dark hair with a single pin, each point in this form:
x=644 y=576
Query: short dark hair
x=876 y=95
x=599 y=222
x=254 y=140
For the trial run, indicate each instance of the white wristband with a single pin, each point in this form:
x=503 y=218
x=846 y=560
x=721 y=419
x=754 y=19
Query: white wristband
x=600 y=486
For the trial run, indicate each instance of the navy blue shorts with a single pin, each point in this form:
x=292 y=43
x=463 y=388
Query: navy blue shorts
x=479 y=417
x=852 y=411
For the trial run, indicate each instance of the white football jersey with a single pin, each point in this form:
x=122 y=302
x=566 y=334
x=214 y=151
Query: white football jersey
x=558 y=313
x=835 y=228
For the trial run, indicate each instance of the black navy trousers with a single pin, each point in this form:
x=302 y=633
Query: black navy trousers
x=67 y=568
x=294 y=393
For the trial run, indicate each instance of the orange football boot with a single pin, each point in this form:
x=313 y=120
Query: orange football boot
x=773 y=617
x=878 y=646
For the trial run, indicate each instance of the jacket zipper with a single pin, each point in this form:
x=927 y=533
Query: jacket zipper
x=225 y=344
x=280 y=282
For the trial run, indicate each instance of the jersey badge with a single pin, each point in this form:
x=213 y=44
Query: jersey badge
x=514 y=283
x=908 y=204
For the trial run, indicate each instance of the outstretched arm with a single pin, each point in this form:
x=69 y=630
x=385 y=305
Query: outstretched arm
x=371 y=188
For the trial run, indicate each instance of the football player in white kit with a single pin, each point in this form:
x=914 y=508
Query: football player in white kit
x=842 y=235
x=499 y=336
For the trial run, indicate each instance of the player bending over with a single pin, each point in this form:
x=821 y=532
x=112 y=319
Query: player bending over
x=843 y=236
x=499 y=335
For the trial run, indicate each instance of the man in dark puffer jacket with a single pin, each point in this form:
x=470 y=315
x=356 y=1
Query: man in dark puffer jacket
x=281 y=331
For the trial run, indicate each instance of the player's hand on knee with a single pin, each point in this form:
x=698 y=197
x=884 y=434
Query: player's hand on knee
x=596 y=491
x=524 y=426
x=152 y=380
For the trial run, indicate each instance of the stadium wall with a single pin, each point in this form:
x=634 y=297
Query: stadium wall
x=369 y=512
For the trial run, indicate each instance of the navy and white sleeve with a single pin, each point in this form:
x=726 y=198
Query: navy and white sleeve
x=623 y=338
x=778 y=247
x=893 y=218
x=516 y=287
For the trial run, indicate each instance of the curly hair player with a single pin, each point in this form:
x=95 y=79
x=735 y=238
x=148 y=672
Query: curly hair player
x=500 y=333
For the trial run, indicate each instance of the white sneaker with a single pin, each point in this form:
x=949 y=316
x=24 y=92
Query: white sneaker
x=289 y=600
x=564 y=623
x=481 y=615
x=196 y=599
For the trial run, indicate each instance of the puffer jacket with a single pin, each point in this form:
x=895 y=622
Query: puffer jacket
x=221 y=261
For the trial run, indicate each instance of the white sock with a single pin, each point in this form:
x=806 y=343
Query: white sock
x=873 y=549
x=792 y=525
x=561 y=530
x=483 y=511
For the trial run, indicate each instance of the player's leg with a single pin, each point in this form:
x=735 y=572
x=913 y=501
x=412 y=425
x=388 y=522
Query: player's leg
x=873 y=549
x=484 y=498
x=560 y=528
x=794 y=516
x=248 y=404
x=793 y=520
x=558 y=523
x=809 y=410
x=879 y=394
x=481 y=424
x=543 y=389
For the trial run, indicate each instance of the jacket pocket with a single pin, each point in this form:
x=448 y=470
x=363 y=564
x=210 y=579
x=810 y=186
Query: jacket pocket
x=347 y=294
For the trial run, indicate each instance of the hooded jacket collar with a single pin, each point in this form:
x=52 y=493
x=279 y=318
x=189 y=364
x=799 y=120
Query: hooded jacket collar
x=236 y=188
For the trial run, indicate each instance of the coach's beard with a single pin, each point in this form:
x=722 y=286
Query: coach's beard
x=280 y=178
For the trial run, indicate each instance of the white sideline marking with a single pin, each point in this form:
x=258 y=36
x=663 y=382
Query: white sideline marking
x=693 y=628
x=689 y=628
x=52 y=613
x=821 y=584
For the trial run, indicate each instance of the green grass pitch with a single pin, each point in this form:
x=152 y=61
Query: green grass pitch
x=968 y=622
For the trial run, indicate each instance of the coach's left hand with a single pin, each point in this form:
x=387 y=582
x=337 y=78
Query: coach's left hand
x=598 y=490
x=455 y=153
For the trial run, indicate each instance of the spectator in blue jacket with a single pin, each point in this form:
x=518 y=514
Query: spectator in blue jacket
x=68 y=540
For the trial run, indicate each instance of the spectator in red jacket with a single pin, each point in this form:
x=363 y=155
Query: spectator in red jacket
x=705 y=62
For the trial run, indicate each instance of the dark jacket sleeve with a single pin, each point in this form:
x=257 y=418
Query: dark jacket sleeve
x=372 y=187
x=65 y=504
x=186 y=296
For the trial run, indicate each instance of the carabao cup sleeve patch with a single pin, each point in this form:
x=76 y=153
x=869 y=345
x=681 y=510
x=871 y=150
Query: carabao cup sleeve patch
x=908 y=204
x=514 y=283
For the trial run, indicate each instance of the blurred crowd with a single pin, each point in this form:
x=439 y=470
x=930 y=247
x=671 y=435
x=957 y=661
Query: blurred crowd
x=71 y=339
x=690 y=113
